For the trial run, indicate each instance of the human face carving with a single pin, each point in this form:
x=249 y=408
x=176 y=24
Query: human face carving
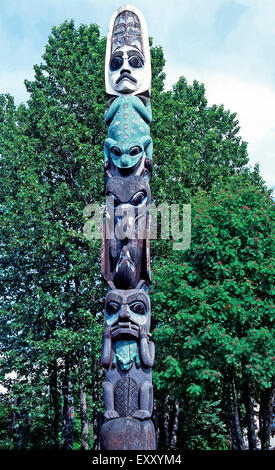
x=128 y=33
x=126 y=70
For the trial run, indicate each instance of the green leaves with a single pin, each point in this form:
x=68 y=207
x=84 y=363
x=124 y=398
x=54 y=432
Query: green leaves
x=194 y=145
x=51 y=156
x=212 y=304
x=194 y=390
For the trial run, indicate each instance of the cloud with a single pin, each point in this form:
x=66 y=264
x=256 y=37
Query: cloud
x=247 y=51
x=238 y=70
x=226 y=44
x=13 y=83
x=255 y=107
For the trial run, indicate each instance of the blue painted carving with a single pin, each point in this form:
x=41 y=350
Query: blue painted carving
x=126 y=352
x=129 y=132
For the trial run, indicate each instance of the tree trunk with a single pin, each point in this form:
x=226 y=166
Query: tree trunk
x=54 y=402
x=84 y=417
x=156 y=424
x=174 y=432
x=67 y=413
x=97 y=416
x=250 y=418
x=166 y=422
x=265 y=416
x=240 y=441
x=232 y=414
x=21 y=425
x=228 y=415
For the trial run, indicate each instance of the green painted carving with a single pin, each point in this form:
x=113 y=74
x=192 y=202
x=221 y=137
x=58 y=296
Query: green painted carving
x=126 y=353
x=129 y=132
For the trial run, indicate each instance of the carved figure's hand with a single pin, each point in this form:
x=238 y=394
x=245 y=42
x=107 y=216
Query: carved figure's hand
x=142 y=333
x=111 y=414
x=142 y=414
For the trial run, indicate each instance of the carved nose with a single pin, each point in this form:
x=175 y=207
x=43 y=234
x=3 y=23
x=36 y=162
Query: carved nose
x=123 y=70
x=124 y=314
x=124 y=160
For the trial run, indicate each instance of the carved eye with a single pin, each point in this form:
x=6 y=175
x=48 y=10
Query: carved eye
x=134 y=151
x=116 y=201
x=113 y=308
x=138 y=307
x=116 y=151
x=138 y=198
x=116 y=63
x=136 y=62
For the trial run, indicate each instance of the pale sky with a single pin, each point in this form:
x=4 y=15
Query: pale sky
x=226 y=44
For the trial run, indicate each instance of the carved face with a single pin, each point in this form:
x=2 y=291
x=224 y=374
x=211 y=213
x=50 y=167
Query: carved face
x=126 y=311
x=126 y=70
x=126 y=156
x=127 y=202
x=125 y=254
x=127 y=230
x=127 y=63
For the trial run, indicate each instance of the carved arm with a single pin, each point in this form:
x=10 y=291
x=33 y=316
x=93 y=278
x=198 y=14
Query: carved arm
x=106 y=355
x=147 y=350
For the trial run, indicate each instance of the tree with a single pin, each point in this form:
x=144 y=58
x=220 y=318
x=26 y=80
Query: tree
x=213 y=312
x=51 y=157
x=51 y=170
x=194 y=144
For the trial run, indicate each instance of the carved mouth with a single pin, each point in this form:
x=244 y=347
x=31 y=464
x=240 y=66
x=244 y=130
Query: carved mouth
x=125 y=329
x=126 y=75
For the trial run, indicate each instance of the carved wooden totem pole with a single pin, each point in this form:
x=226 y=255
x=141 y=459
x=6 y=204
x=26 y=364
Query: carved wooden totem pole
x=127 y=353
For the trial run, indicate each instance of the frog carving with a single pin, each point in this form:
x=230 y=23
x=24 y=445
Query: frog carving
x=129 y=141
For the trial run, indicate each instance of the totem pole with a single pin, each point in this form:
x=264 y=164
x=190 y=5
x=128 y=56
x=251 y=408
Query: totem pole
x=128 y=352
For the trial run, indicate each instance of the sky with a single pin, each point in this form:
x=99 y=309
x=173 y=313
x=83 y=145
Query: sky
x=226 y=44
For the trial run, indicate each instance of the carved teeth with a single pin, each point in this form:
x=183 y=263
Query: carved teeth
x=124 y=325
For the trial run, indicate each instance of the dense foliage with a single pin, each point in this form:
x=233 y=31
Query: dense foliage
x=213 y=303
x=212 y=306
